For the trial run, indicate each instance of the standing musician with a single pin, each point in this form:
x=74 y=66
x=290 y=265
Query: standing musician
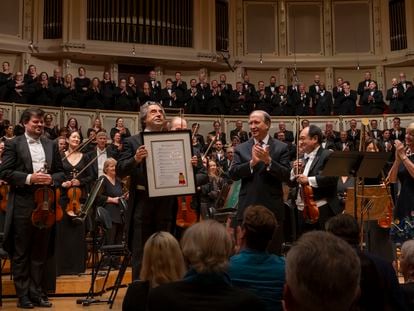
x=145 y=215
x=262 y=164
x=23 y=159
x=74 y=191
x=101 y=153
x=307 y=172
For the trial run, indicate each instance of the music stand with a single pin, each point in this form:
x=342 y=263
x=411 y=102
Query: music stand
x=355 y=164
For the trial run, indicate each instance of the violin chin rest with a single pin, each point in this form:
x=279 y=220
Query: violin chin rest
x=71 y=214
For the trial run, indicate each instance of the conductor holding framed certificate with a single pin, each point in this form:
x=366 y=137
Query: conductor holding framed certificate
x=153 y=184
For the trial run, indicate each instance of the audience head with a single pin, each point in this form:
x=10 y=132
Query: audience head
x=62 y=145
x=257 y=228
x=407 y=260
x=345 y=227
x=310 y=138
x=163 y=260
x=109 y=167
x=177 y=124
x=322 y=273
x=207 y=247
x=259 y=123
x=373 y=145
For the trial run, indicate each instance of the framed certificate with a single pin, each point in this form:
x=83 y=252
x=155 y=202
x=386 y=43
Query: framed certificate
x=169 y=168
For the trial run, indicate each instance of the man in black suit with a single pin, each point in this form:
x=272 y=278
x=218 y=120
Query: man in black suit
x=168 y=95
x=239 y=132
x=101 y=153
x=315 y=88
x=364 y=85
x=335 y=93
x=301 y=101
x=397 y=132
x=23 y=163
x=218 y=132
x=344 y=144
x=323 y=101
x=375 y=132
x=145 y=215
x=345 y=102
x=354 y=134
x=262 y=164
x=395 y=96
x=272 y=88
x=179 y=86
x=324 y=187
x=155 y=85
x=372 y=101
x=289 y=137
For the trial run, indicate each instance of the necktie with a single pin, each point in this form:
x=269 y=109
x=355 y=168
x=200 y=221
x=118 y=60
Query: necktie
x=34 y=141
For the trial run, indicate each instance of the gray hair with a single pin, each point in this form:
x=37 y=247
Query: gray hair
x=143 y=111
x=266 y=116
x=322 y=272
x=407 y=252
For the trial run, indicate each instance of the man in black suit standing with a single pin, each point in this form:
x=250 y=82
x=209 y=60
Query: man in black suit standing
x=310 y=168
x=101 y=153
x=364 y=85
x=23 y=163
x=397 y=132
x=145 y=215
x=262 y=164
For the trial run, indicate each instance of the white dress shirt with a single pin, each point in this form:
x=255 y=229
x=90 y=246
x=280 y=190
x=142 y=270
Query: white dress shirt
x=37 y=154
x=102 y=157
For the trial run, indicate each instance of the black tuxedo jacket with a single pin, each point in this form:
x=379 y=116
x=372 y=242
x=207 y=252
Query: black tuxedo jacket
x=261 y=185
x=326 y=184
x=401 y=134
x=16 y=165
x=362 y=85
x=346 y=104
x=110 y=153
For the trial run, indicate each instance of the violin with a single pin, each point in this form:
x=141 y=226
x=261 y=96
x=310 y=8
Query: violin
x=4 y=195
x=44 y=215
x=74 y=194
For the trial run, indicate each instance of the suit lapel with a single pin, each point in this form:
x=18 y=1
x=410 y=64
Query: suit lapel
x=316 y=159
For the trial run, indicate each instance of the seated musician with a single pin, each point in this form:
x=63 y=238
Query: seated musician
x=211 y=190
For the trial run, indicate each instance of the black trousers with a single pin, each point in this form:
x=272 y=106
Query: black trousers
x=150 y=215
x=325 y=213
x=29 y=256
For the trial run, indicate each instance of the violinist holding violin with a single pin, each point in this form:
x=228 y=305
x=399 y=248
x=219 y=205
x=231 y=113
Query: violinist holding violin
x=306 y=172
x=70 y=236
x=28 y=246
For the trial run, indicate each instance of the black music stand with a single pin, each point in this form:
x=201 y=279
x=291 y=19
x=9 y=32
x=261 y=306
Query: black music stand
x=355 y=164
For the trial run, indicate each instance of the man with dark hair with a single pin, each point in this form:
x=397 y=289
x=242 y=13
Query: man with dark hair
x=253 y=268
x=322 y=274
x=306 y=172
x=23 y=167
x=145 y=215
x=262 y=165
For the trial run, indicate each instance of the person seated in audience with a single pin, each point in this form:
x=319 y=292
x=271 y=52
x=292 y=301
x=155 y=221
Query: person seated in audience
x=162 y=263
x=218 y=132
x=330 y=134
x=288 y=134
x=291 y=146
x=229 y=158
x=239 y=132
x=379 y=285
x=116 y=146
x=397 y=132
x=344 y=144
x=407 y=270
x=8 y=133
x=72 y=126
x=206 y=247
x=372 y=101
x=82 y=84
x=322 y=274
x=62 y=145
x=375 y=131
x=121 y=129
x=211 y=190
x=235 y=141
x=51 y=130
x=218 y=153
x=96 y=125
x=94 y=98
x=387 y=142
x=253 y=268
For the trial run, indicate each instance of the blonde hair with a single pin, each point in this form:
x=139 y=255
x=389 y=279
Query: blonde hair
x=108 y=162
x=410 y=129
x=163 y=260
x=207 y=246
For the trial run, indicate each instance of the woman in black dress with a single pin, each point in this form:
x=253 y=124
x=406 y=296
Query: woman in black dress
x=94 y=98
x=110 y=199
x=81 y=85
x=70 y=236
x=51 y=131
x=120 y=128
